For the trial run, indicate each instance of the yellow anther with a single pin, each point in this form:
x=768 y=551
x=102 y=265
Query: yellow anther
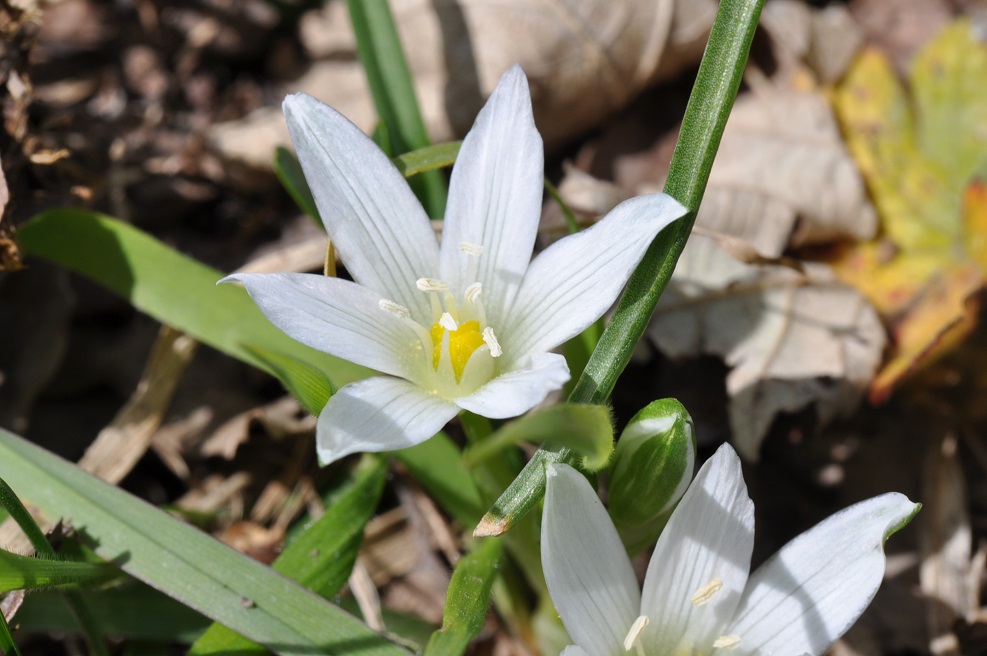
x=705 y=593
x=462 y=343
x=726 y=642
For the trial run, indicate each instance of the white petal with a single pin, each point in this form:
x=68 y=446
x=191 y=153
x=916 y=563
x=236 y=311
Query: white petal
x=588 y=573
x=374 y=220
x=337 y=317
x=708 y=540
x=573 y=650
x=573 y=282
x=520 y=389
x=379 y=414
x=808 y=594
x=495 y=196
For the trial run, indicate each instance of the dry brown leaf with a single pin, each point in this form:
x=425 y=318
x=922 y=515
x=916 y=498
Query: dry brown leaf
x=782 y=165
x=791 y=340
x=782 y=177
x=946 y=548
x=584 y=59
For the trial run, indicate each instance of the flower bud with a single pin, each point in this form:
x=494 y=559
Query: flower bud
x=652 y=467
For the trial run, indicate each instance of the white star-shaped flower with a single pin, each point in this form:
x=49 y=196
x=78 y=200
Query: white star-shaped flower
x=699 y=597
x=468 y=325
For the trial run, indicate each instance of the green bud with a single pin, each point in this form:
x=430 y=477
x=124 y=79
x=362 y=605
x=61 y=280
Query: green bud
x=652 y=467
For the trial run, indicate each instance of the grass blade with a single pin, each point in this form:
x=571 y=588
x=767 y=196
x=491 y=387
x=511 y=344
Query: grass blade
x=467 y=600
x=379 y=48
x=321 y=558
x=185 y=563
x=182 y=293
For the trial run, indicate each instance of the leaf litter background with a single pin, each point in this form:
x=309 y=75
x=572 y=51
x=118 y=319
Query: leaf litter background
x=825 y=316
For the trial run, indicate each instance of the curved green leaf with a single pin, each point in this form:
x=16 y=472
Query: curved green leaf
x=182 y=293
x=467 y=600
x=185 y=563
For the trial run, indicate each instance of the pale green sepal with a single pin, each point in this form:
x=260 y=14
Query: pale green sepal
x=653 y=464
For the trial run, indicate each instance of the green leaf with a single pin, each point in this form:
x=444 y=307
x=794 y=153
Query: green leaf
x=467 y=600
x=289 y=172
x=717 y=81
x=25 y=573
x=322 y=557
x=12 y=504
x=7 y=644
x=180 y=292
x=379 y=47
x=428 y=158
x=582 y=428
x=183 y=562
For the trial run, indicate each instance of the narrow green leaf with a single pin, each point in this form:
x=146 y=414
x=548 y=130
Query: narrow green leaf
x=183 y=562
x=716 y=86
x=582 y=428
x=438 y=467
x=134 y=611
x=289 y=172
x=12 y=504
x=180 y=292
x=379 y=47
x=26 y=573
x=428 y=158
x=467 y=600
x=322 y=557
x=7 y=644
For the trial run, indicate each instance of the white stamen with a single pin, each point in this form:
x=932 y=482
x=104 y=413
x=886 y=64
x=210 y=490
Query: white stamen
x=471 y=249
x=633 y=636
x=431 y=285
x=396 y=309
x=726 y=642
x=705 y=593
x=472 y=292
x=447 y=322
x=491 y=341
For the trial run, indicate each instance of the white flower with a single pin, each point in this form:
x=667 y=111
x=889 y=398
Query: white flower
x=698 y=596
x=467 y=325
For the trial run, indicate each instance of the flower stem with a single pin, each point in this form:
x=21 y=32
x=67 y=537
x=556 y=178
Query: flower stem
x=705 y=117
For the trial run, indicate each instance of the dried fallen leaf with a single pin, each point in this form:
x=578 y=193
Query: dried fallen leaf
x=584 y=60
x=924 y=155
x=794 y=338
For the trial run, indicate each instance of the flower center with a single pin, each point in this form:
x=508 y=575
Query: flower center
x=463 y=341
x=457 y=332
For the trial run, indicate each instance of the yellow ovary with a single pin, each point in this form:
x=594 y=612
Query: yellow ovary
x=462 y=343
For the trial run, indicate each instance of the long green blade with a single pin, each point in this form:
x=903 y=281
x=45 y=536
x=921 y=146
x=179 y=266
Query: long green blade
x=379 y=48
x=321 y=558
x=182 y=293
x=25 y=573
x=716 y=86
x=185 y=563
x=467 y=600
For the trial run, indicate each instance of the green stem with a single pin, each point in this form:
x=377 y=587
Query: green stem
x=712 y=98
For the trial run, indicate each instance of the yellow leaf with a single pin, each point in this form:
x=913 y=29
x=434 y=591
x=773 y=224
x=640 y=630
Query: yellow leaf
x=943 y=315
x=923 y=152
